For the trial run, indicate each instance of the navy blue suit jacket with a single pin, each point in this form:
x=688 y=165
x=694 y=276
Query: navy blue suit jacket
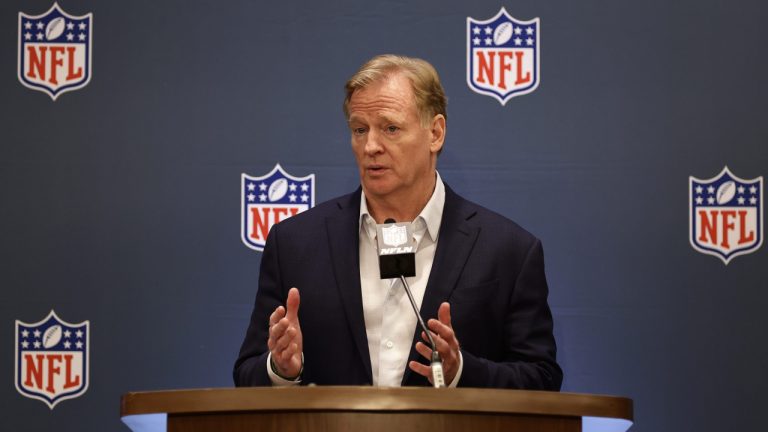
x=488 y=268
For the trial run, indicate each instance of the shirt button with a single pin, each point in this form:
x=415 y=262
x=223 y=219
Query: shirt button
x=390 y=344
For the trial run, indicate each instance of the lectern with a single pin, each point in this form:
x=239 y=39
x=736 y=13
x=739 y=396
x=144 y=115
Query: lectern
x=371 y=409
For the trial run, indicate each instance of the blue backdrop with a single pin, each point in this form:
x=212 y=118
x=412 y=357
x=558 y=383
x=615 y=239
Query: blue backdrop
x=120 y=201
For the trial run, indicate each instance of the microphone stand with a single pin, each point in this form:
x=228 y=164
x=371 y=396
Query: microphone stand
x=438 y=380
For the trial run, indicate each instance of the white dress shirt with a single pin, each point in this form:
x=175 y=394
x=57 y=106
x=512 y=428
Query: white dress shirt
x=390 y=322
x=389 y=318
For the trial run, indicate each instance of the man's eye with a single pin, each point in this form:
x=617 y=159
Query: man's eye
x=392 y=129
x=358 y=131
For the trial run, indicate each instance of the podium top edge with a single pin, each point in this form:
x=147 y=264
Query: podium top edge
x=376 y=399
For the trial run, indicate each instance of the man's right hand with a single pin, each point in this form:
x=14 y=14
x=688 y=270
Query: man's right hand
x=285 y=340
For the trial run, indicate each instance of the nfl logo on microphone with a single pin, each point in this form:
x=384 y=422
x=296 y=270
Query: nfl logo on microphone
x=503 y=56
x=52 y=359
x=268 y=199
x=55 y=51
x=394 y=235
x=726 y=215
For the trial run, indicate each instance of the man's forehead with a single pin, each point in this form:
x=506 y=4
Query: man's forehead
x=390 y=97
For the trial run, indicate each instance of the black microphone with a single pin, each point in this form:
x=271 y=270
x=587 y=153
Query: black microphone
x=397 y=259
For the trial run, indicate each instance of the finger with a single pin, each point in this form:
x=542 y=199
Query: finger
x=421 y=369
x=424 y=350
x=282 y=342
x=278 y=314
x=444 y=331
x=444 y=313
x=291 y=351
x=292 y=304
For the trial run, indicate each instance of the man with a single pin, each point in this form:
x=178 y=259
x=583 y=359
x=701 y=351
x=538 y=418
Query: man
x=478 y=273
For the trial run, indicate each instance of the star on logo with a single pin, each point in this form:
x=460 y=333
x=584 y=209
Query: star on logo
x=36 y=344
x=710 y=200
x=304 y=187
x=27 y=25
x=262 y=197
x=711 y=190
x=529 y=31
x=304 y=197
x=753 y=190
x=740 y=200
x=67 y=334
x=488 y=30
x=753 y=200
x=25 y=333
x=251 y=197
x=79 y=334
x=476 y=30
x=292 y=197
x=67 y=344
x=37 y=333
x=79 y=345
x=699 y=200
x=292 y=187
x=488 y=41
x=251 y=187
x=81 y=26
x=262 y=186
x=70 y=25
x=699 y=189
x=25 y=344
x=529 y=41
x=40 y=25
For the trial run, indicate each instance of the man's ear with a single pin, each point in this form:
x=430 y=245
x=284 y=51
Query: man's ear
x=437 y=131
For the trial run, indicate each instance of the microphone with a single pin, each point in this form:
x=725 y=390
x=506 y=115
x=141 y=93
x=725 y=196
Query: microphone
x=397 y=259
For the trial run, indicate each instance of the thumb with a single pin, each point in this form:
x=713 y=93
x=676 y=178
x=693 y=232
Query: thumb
x=292 y=304
x=444 y=313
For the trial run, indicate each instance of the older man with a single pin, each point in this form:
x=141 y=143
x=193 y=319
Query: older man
x=480 y=274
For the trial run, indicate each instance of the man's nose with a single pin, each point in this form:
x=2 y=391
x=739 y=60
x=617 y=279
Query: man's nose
x=373 y=143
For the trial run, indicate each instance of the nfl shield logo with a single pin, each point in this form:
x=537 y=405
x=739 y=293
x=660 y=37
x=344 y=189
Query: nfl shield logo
x=55 y=51
x=395 y=235
x=52 y=359
x=268 y=199
x=726 y=215
x=503 y=56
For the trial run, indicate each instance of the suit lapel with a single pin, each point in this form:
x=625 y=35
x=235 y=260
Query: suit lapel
x=454 y=245
x=343 y=232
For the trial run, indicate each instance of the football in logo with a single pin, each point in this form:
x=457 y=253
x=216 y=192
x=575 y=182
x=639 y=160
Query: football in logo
x=54 y=29
x=726 y=192
x=269 y=199
x=278 y=189
x=52 y=336
x=503 y=33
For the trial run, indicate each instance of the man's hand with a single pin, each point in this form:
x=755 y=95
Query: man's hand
x=446 y=343
x=285 y=340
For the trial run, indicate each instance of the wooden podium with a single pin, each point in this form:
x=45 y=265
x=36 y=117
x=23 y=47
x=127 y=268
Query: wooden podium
x=371 y=409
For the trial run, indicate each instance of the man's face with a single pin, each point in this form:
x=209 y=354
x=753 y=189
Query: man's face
x=395 y=154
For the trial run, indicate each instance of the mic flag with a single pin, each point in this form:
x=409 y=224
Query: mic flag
x=397 y=250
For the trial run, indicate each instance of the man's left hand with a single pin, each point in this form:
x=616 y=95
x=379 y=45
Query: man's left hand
x=446 y=343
